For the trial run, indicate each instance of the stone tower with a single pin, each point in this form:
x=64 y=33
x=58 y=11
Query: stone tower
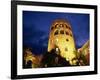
x=61 y=39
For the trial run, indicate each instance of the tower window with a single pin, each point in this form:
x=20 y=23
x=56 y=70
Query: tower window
x=67 y=39
x=52 y=28
x=67 y=33
x=56 y=32
x=68 y=27
x=61 y=25
x=56 y=25
x=62 y=32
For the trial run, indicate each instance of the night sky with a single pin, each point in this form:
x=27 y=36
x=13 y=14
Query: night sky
x=36 y=28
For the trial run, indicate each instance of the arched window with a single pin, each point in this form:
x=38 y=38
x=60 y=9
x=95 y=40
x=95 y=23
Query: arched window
x=67 y=33
x=66 y=26
x=69 y=28
x=56 y=25
x=56 y=32
x=52 y=28
x=62 y=32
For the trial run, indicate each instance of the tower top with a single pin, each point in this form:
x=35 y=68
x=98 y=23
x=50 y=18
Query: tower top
x=60 y=20
x=60 y=23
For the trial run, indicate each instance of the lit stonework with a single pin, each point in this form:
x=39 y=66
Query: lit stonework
x=61 y=39
x=29 y=56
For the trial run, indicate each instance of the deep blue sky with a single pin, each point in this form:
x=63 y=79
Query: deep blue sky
x=36 y=28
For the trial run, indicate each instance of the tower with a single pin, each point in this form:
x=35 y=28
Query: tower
x=61 y=39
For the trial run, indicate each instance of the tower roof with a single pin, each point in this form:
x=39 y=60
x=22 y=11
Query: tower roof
x=60 y=20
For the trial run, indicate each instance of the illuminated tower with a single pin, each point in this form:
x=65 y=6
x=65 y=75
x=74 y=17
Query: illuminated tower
x=61 y=39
